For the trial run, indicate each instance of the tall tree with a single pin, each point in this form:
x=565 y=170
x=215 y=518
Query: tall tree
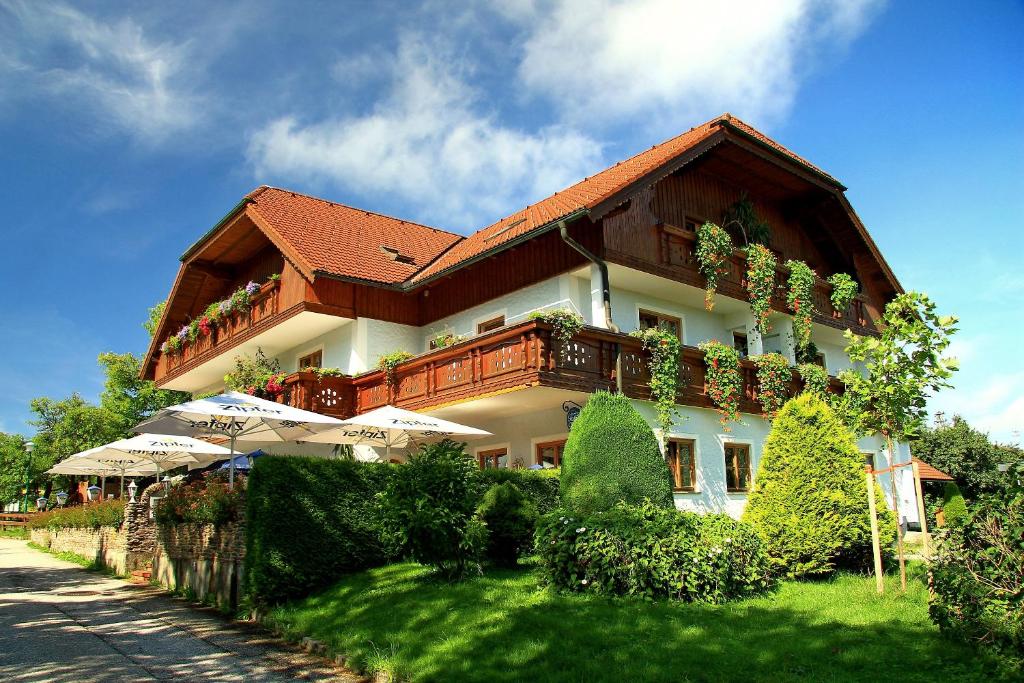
x=12 y=467
x=903 y=367
x=128 y=397
x=153 y=319
x=965 y=454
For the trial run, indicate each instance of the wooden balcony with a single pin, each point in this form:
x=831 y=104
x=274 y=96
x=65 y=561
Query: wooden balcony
x=518 y=356
x=677 y=260
x=238 y=326
x=328 y=395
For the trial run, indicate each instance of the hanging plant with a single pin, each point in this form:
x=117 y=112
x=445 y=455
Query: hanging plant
x=815 y=379
x=664 y=348
x=723 y=379
x=773 y=375
x=443 y=340
x=566 y=325
x=256 y=375
x=714 y=247
x=389 y=361
x=328 y=372
x=844 y=291
x=743 y=215
x=761 y=264
x=800 y=299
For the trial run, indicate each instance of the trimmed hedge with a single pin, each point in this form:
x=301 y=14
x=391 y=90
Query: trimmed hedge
x=510 y=517
x=954 y=507
x=978 y=576
x=309 y=520
x=653 y=552
x=89 y=516
x=810 y=501
x=612 y=455
x=540 y=486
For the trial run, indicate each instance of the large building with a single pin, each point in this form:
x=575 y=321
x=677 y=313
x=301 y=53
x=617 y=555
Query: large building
x=340 y=287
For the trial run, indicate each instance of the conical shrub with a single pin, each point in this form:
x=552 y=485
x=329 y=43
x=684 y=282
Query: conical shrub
x=809 y=502
x=612 y=455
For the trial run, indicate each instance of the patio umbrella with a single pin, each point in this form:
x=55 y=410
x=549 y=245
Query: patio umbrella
x=81 y=464
x=238 y=417
x=163 y=451
x=389 y=426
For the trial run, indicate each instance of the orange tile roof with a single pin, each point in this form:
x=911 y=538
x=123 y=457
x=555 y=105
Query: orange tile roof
x=929 y=473
x=341 y=240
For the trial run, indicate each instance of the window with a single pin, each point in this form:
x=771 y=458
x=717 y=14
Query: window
x=492 y=324
x=651 y=320
x=737 y=467
x=739 y=342
x=491 y=459
x=819 y=359
x=682 y=464
x=313 y=360
x=692 y=224
x=549 y=454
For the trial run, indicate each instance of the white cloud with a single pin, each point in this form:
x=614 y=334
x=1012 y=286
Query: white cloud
x=110 y=67
x=673 y=62
x=431 y=142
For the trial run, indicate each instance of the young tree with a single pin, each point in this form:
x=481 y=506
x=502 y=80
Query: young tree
x=153 y=319
x=903 y=366
x=13 y=460
x=129 y=398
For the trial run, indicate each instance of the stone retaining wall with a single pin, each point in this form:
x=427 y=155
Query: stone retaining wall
x=207 y=560
x=106 y=545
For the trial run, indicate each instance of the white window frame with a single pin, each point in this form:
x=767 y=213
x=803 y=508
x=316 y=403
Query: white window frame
x=660 y=310
x=312 y=349
x=491 y=316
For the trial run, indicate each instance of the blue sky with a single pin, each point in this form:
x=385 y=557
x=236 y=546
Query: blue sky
x=126 y=132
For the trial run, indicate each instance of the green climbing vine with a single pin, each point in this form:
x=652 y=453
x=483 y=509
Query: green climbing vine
x=815 y=379
x=664 y=348
x=389 y=361
x=761 y=264
x=566 y=325
x=800 y=299
x=714 y=247
x=725 y=383
x=844 y=290
x=773 y=375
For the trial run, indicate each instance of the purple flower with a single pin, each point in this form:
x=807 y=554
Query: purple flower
x=183 y=333
x=224 y=307
x=251 y=288
x=164 y=347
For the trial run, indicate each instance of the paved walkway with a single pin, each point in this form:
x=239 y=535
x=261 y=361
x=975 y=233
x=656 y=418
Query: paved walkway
x=59 y=622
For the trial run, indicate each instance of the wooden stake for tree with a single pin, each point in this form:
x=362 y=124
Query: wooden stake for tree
x=891 y=456
x=920 y=511
x=876 y=545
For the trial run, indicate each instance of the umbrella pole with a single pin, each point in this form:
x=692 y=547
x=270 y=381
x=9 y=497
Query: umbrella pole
x=231 y=468
x=103 y=487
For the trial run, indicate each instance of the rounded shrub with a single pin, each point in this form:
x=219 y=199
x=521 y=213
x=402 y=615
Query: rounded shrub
x=954 y=507
x=612 y=455
x=429 y=510
x=653 y=552
x=540 y=486
x=978 y=577
x=510 y=517
x=809 y=502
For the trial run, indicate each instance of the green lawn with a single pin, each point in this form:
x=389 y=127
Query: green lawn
x=503 y=627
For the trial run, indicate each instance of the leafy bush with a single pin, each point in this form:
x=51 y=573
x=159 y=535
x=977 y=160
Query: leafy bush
x=809 y=502
x=309 y=520
x=255 y=375
x=206 y=500
x=429 y=509
x=979 y=579
x=954 y=508
x=653 y=552
x=510 y=517
x=612 y=455
x=89 y=516
x=540 y=486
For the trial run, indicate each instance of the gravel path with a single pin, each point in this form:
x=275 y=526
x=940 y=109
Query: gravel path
x=59 y=622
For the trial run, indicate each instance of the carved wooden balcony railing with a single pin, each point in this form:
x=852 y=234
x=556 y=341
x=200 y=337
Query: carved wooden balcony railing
x=327 y=395
x=263 y=305
x=678 y=249
x=528 y=354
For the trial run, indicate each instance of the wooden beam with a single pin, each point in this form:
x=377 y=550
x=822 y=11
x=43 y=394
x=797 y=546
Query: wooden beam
x=216 y=271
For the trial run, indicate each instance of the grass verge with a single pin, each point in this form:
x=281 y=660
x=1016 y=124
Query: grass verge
x=80 y=560
x=14 y=532
x=504 y=627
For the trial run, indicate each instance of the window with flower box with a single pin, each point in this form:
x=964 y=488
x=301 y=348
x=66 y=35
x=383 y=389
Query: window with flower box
x=312 y=360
